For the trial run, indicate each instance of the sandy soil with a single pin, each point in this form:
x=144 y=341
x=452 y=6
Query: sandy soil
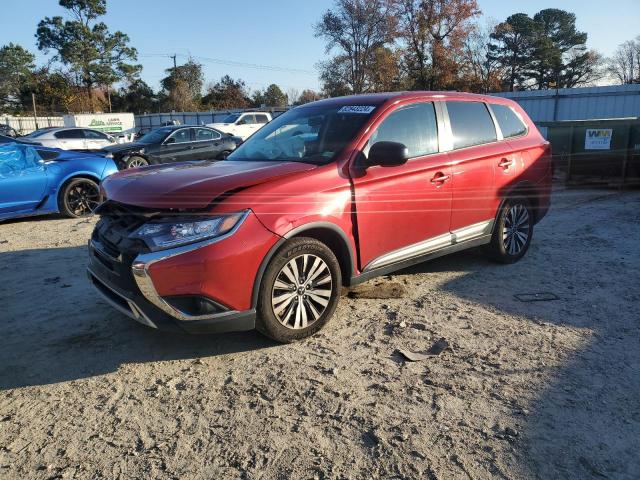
x=545 y=389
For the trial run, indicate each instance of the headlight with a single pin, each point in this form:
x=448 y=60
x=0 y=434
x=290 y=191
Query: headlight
x=174 y=232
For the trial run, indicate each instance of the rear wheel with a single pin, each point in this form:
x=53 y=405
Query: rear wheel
x=135 y=162
x=513 y=231
x=79 y=198
x=300 y=290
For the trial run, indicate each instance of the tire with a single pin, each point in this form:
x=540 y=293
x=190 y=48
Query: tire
x=136 y=162
x=79 y=197
x=510 y=242
x=287 y=314
x=223 y=155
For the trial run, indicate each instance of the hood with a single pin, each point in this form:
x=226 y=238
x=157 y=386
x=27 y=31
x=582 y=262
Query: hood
x=124 y=147
x=191 y=185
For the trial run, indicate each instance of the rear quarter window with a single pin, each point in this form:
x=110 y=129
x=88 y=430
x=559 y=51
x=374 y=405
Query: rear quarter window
x=471 y=124
x=510 y=122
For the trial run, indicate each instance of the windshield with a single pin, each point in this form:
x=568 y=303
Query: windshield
x=156 y=136
x=231 y=118
x=305 y=134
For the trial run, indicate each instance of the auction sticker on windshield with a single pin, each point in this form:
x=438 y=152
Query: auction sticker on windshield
x=357 y=109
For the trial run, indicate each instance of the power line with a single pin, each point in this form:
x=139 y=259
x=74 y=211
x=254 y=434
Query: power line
x=232 y=63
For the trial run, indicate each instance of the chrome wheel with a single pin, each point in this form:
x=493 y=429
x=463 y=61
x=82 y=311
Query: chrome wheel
x=137 y=162
x=302 y=291
x=83 y=198
x=516 y=231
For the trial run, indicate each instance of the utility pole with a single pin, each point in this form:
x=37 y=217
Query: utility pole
x=35 y=114
x=174 y=60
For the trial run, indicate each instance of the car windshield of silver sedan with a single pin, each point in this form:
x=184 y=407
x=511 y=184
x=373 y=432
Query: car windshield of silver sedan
x=155 y=136
x=305 y=134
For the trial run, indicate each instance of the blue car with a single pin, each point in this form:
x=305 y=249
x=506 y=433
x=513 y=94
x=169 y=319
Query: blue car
x=36 y=180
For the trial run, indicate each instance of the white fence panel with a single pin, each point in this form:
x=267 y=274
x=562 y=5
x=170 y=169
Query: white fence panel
x=25 y=125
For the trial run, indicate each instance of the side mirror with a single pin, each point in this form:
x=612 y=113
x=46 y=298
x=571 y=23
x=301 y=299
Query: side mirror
x=388 y=154
x=169 y=141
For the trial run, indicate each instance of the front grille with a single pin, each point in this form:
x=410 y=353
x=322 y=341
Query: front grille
x=117 y=223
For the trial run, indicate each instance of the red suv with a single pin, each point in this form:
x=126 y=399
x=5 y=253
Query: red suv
x=328 y=194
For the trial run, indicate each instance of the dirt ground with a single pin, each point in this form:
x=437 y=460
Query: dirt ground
x=542 y=389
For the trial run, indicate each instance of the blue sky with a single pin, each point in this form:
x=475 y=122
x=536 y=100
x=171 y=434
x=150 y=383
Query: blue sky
x=275 y=33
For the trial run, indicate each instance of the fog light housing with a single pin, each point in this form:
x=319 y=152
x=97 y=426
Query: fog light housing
x=195 y=305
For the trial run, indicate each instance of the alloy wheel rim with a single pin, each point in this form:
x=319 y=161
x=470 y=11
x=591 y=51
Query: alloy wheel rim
x=83 y=198
x=515 y=233
x=302 y=291
x=138 y=163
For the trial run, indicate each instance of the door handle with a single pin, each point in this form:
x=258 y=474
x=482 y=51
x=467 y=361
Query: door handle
x=505 y=163
x=439 y=178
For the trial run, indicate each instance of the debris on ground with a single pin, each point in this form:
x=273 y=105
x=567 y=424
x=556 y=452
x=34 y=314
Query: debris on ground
x=436 y=349
x=536 y=297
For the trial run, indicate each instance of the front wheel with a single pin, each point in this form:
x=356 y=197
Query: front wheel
x=300 y=290
x=513 y=231
x=79 y=198
x=223 y=155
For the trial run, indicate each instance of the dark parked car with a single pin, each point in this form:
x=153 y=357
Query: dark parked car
x=175 y=143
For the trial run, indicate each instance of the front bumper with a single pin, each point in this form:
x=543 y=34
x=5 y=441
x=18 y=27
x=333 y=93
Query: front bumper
x=126 y=284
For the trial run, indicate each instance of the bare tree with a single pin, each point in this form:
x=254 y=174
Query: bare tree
x=479 y=71
x=625 y=63
x=434 y=32
x=293 y=94
x=356 y=28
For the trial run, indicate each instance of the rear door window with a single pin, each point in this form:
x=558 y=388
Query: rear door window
x=94 y=135
x=510 y=123
x=261 y=118
x=204 y=134
x=471 y=124
x=414 y=126
x=75 y=133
